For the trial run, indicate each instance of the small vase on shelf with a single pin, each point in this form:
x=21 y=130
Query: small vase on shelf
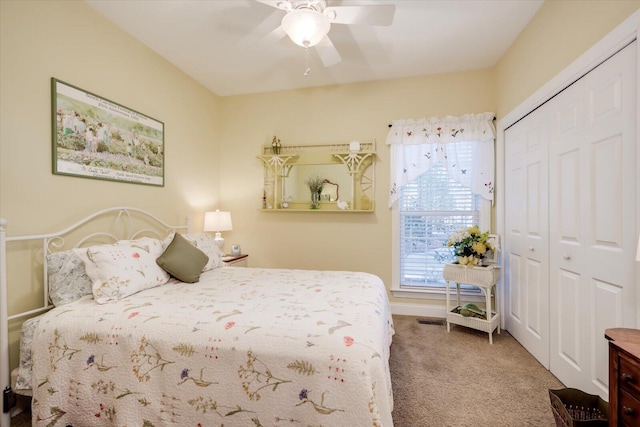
x=315 y=200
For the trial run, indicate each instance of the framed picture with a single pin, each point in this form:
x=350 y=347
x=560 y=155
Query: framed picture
x=491 y=257
x=97 y=138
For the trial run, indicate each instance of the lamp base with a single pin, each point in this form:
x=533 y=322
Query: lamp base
x=219 y=241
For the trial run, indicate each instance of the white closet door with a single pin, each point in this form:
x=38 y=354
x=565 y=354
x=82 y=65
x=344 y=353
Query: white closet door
x=592 y=167
x=525 y=256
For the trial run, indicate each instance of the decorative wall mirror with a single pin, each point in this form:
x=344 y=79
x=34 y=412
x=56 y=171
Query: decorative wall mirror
x=336 y=177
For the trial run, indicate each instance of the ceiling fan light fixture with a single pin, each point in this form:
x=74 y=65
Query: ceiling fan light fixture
x=305 y=27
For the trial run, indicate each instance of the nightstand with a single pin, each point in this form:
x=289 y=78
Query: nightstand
x=236 y=260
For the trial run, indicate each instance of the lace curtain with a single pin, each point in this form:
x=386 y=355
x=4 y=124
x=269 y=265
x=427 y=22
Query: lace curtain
x=418 y=145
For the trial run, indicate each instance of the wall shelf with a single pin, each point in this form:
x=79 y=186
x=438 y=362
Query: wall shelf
x=316 y=210
x=349 y=177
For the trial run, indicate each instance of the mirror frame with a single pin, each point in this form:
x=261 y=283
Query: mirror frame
x=358 y=164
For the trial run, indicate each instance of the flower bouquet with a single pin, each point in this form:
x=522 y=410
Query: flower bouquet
x=315 y=184
x=470 y=245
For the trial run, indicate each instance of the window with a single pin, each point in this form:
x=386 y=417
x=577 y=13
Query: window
x=441 y=179
x=431 y=209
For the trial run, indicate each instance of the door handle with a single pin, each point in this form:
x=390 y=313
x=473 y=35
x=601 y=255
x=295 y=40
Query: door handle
x=566 y=256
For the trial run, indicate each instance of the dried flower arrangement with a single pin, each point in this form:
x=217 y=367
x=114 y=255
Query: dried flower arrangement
x=315 y=183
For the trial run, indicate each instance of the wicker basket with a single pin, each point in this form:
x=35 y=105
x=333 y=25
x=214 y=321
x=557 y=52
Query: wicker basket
x=483 y=275
x=572 y=407
x=485 y=325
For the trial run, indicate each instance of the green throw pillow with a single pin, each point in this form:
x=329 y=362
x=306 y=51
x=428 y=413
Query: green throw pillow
x=183 y=260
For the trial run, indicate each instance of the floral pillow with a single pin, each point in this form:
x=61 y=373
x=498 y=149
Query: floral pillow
x=67 y=277
x=207 y=244
x=124 y=268
x=23 y=381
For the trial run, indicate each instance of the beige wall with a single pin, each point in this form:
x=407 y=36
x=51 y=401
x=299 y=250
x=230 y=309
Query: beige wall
x=70 y=41
x=316 y=240
x=558 y=34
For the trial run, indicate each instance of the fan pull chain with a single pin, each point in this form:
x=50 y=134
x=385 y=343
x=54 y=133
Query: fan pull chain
x=307 y=67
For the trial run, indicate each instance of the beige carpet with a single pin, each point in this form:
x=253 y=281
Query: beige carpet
x=457 y=379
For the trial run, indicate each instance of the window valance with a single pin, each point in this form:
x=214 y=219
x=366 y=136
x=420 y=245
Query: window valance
x=418 y=145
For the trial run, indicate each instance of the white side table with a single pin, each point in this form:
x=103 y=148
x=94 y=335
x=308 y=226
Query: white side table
x=485 y=278
x=236 y=260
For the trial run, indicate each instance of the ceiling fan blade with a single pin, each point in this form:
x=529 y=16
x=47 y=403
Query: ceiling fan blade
x=274 y=36
x=327 y=52
x=265 y=35
x=381 y=14
x=279 y=4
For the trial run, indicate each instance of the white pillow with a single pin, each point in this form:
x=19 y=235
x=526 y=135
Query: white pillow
x=124 y=268
x=207 y=244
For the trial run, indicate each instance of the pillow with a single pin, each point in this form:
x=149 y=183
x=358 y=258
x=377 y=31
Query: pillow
x=23 y=381
x=124 y=268
x=183 y=260
x=67 y=277
x=207 y=244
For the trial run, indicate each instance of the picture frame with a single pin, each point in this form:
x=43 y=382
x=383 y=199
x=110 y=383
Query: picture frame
x=491 y=257
x=93 y=137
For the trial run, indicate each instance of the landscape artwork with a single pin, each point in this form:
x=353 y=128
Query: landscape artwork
x=96 y=138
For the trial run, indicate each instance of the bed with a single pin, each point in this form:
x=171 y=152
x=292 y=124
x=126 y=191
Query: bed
x=235 y=346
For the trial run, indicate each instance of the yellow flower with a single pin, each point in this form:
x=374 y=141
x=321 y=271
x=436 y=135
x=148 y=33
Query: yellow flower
x=474 y=230
x=479 y=248
x=468 y=260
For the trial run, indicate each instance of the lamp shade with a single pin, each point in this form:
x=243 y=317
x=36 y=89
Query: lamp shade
x=306 y=27
x=217 y=221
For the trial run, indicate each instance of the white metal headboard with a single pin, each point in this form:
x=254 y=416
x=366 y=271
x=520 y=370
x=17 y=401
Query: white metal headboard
x=124 y=222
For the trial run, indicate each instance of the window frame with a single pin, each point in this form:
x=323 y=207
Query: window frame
x=433 y=294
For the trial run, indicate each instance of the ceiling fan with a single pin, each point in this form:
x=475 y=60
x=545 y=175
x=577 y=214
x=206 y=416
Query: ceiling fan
x=307 y=23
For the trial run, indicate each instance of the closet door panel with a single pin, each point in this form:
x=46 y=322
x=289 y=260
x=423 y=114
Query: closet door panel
x=609 y=310
x=607 y=167
x=592 y=159
x=569 y=187
x=566 y=190
x=570 y=298
x=526 y=225
x=534 y=196
x=514 y=299
x=536 y=288
x=607 y=217
x=610 y=261
x=568 y=319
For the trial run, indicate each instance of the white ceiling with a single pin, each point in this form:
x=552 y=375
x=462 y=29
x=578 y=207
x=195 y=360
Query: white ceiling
x=224 y=44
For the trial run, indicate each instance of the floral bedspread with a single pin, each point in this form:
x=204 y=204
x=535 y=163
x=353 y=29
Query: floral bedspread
x=242 y=347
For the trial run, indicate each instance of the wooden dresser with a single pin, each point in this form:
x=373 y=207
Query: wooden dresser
x=624 y=376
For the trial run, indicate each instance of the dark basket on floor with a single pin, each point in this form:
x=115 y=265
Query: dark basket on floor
x=572 y=407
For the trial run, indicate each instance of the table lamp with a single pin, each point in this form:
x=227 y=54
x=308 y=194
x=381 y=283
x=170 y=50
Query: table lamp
x=218 y=221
